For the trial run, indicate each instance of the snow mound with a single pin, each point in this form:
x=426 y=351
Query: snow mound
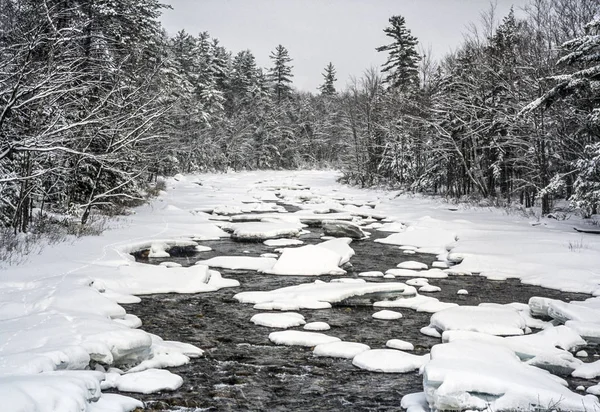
x=399 y=344
x=317 y=326
x=300 y=338
x=261 y=231
x=239 y=262
x=371 y=274
x=412 y=265
x=389 y=361
x=347 y=350
x=283 y=242
x=465 y=375
x=387 y=315
x=503 y=321
x=309 y=260
x=417 y=302
x=148 y=381
x=278 y=320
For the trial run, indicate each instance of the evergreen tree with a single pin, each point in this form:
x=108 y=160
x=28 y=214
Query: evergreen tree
x=327 y=88
x=281 y=73
x=401 y=66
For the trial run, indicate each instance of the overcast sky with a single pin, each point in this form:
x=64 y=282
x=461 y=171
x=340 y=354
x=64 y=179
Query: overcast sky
x=316 y=32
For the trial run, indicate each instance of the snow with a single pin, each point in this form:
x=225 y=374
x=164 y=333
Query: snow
x=309 y=260
x=148 y=381
x=415 y=402
x=587 y=370
x=389 y=361
x=347 y=350
x=239 y=262
x=283 y=242
x=61 y=308
x=429 y=288
x=399 y=344
x=491 y=320
x=466 y=375
x=387 y=315
x=462 y=292
x=412 y=265
x=278 y=320
x=300 y=338
x=317 y=295
x=371 y=274
x=339 y=246
x=316 y=326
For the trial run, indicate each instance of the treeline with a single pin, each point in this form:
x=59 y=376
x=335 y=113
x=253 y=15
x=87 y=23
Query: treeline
x=513 y=114
x=96 y=100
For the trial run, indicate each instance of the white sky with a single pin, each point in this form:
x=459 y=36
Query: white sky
x=316 y=32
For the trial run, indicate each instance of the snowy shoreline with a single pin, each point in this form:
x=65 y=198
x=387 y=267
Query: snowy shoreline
x=60 y=310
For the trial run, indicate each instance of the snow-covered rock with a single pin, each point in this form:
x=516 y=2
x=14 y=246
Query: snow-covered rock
x=389 y=361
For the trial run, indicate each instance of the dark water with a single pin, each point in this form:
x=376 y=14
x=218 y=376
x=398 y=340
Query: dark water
x=243 y=370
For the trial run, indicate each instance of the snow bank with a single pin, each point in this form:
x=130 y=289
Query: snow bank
x=466 y=375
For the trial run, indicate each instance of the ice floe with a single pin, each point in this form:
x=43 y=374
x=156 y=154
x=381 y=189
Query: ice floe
x=347 y=350
x=399 y=344
x=317 y=326
x=389 y=361
x=300 y=338
x=387 y=315
x=278 y=320
x=239 y=262
x=499 y=320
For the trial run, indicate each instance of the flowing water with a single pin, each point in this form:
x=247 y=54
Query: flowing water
x=242 y=370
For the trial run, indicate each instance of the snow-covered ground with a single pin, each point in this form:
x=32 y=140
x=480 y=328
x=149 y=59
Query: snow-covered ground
x=64 y=337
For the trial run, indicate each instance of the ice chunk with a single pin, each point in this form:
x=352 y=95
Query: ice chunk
x=387 y=315
x=112 y=402
x=429 y=288
x=462 y=292
x=588 y=370
x=439 y=265
x=389 y=361
x=283 y=242
x=300 y=338
x=475 y=375
x=412 y=265
x=492 y=320
x=399 y=344
x=418 y=282
x=415 y=402
x=148 y=381
x=371 y=274
x=260 y=231
x=417 y=302
x=339 y=246
x=307 y=260
x=239 y=262
x=278 y=320
x=312 y=293
x=317 y=326
x=347 y=350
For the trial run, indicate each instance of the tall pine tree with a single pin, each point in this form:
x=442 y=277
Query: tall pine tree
x=327 y=88
x=281 y=73
x=402 y=65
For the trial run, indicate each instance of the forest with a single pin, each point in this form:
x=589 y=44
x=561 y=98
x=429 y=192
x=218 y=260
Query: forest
x=97 y=101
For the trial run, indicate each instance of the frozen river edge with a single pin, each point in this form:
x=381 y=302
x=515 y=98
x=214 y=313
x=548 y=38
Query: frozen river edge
x=60 y=311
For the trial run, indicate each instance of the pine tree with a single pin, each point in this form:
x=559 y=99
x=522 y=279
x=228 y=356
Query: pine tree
x=402 y=63
x=281 y=73
x=327 y=88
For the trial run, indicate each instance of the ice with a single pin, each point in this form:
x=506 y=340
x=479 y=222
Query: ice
x=418 y=282
x=300 y=338
x=239 y=262
x=278 y=320
x=260 y=231
x=587 y=370
x=548 y=349
x=148 y=381
x=347 y=350
x=399 y=344
x=491 y=320
x=590 y=331
x=581 y=354
x=311 y=295
x=387 y=315
x=371 y=274
x=389 y=361
x=430 y=331
x=415 y=402
x=563 y=312
x=402 y=272
x=112 y=402
x=309 y=260
x=594 y=390
x=429 y=288
x=283 y=242
x=418 y=302
x=439 y=265
x=431 y=273
x=409 y=252
x=339 y=246
x=317 y=326
x=466 y=375
x=462 y=292
x=412 y=265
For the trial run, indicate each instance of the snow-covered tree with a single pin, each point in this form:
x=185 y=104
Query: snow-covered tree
x=401 y=67
x=281 y=73
x=328 y=87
